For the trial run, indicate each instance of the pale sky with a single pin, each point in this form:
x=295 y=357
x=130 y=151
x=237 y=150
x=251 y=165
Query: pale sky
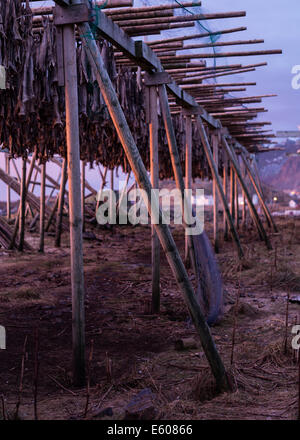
x=275 y=21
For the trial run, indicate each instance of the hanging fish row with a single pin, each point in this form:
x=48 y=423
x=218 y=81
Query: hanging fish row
x=32 y=107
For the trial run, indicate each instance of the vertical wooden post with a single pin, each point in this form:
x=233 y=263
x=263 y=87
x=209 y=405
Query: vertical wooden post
x=256 y=218
x=42 y=207
x=101 y=188
x=83 y=194
x=244 y=212
x=162 y=230
x=176 y=166
x=75 y=215
x=236 y=191
x=8 y=205
x=22 y=207
x=215 y=146
x=232 y=193
x=60 y=204
x=154 y=172
x=188 y=170
x=213 y=168
x=225 y=189
x=111 y=199
x=267 y=213
x=17 y=222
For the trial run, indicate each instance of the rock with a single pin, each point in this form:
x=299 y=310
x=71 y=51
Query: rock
x=185 y=344
x=141 y=406
x=108 y=412
x=89 y=236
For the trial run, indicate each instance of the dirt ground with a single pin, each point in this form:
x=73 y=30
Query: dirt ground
x=134 y=350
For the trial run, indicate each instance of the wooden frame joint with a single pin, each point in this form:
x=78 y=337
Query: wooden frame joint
x=192 y=111
x=157 y=79
x=72 y=14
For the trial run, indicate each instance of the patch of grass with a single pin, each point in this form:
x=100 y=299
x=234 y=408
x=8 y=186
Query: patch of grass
x=28 y=293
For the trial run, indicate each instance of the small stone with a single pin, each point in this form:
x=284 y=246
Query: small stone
x=141 y=406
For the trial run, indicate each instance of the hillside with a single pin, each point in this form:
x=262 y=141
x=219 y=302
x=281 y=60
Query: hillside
x=278 y=169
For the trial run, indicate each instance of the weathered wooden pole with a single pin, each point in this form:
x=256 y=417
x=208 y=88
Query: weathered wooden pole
x=75 y=214
x=188 y=170
x=52 y=214
x=22 y=207
x=111 y=199
x=176 y=166
x=33 y=184
x=162 y=230
x=8 y=204
x=215 y=146
x=154 y=173
x=266 y=210
x=245 y=189
x=253 y=213
x=232 y=193
x=225 y=190
x=103 y=183
x=16 y=170
x=236 y=191
x=42 y=208
x=124 y=191
x=17 y=221
x=83 y=194
x=60 y=204
x=214 y=171
x=244 y=212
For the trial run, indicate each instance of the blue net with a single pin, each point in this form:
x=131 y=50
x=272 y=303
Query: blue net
x=213 y=36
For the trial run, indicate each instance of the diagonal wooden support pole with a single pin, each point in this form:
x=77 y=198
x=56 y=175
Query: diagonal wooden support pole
x=17 y=222
x=99 y=194
x=253 y=213
x=214 y=171
x=209 y=284
x=234 y=163
x=162 y=230
x=267 y=213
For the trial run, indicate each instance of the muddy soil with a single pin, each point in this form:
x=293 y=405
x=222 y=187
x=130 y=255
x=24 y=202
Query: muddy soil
x=134 y=350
